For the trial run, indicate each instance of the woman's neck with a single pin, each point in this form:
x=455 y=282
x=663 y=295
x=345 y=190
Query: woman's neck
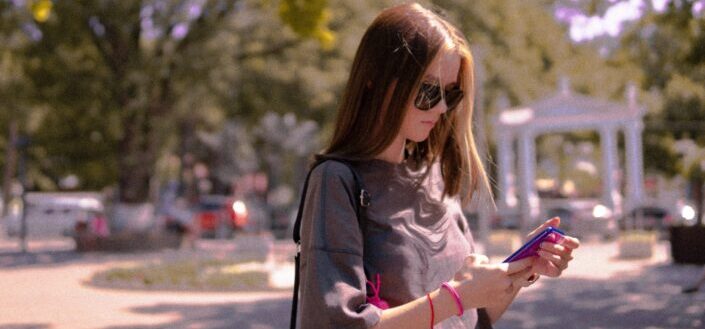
x=394 y=153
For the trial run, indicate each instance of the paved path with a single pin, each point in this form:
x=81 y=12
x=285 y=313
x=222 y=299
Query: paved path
x=600 y=291
x=46 y=290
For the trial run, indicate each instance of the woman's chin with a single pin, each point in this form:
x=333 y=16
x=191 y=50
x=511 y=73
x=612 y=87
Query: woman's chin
x=418 y=139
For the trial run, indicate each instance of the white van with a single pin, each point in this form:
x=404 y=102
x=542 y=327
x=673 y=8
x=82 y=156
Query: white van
x=52 y=214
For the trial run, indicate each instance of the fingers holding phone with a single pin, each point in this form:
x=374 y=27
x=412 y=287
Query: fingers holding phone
x=517 y=266
x=554 y=256
x=568 y=241
x=553 y=222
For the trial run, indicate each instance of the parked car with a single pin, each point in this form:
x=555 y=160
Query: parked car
x=584 y=218
x=51 y=214
x=647 y=218
x=219 y=216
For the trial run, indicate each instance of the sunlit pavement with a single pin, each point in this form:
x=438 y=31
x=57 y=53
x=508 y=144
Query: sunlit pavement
x=44 y=289
x=601 y=291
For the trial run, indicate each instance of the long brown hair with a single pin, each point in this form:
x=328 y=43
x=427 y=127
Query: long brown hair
x=393 y=54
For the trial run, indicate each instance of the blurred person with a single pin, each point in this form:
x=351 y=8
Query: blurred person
x=180 y=219
x=99 y=225
x=84 y=235
x=695 y=286
x=404 y=128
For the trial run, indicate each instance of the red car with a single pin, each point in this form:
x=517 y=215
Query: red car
x=219 y=216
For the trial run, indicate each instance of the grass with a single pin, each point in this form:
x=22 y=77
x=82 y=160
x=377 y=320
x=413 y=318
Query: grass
x=187 y=275
x=636 y=244
x=638 y=236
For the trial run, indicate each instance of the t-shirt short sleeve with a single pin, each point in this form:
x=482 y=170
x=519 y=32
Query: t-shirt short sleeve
x=333 y=283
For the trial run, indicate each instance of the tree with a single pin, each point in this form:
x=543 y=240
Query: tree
x=128 y=74
x=17 y=107
x=669 y=48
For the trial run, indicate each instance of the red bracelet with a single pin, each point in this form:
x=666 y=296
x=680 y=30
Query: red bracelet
x=433 y=316
x=456 y=296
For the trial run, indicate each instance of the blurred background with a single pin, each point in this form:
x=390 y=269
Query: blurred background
x=140 y=124
x=125 y=107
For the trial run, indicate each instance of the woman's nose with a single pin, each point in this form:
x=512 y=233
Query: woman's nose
x=441 y=107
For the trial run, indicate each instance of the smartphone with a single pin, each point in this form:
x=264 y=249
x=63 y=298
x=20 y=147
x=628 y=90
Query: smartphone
x=530 y=248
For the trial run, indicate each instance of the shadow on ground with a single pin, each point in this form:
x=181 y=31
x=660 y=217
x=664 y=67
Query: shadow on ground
x=25 y=326
x=44 y=258
x=48 y=258
x=270 y=314
x=649 y=299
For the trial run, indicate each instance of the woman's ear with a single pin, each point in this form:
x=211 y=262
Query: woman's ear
x=369 y=84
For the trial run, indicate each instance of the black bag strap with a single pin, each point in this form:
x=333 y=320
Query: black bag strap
x=483 y=319
x=362 y=201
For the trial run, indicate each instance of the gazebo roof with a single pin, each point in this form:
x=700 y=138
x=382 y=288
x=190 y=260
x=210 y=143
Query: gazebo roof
x=565 y=110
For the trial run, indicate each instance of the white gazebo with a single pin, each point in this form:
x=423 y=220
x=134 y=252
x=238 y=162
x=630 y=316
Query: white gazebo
x=561 y=112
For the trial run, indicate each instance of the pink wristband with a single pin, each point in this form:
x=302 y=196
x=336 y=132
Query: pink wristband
x=455 y=295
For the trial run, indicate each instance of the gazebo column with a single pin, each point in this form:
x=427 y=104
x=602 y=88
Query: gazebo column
x=527 y=173
x=634 y=164
x=610 y=192
x=506 y=171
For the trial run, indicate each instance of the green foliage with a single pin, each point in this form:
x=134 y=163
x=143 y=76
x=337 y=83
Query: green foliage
x=18 y=104
x=90 y=151
x=303 y=78
x=41 y=9
x=668 y=48
x=525 y=52
x=308 y=18
x=659 y=154
x=685 y=105
x=119 y=81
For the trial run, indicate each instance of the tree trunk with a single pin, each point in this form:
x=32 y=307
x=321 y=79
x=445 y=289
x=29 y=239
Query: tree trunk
x=141 y=143
x=135 y=164
x=187 y=134
x=10 y=165
x=140 y=147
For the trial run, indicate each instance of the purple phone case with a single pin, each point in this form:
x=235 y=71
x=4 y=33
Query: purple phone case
x=530 y=248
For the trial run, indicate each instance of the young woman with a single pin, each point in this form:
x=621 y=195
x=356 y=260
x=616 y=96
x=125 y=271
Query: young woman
x=404 y=125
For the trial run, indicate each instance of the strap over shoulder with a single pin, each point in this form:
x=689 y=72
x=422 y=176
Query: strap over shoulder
x=363 y=197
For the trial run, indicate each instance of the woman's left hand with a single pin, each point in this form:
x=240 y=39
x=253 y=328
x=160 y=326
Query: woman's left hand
x=553 y=258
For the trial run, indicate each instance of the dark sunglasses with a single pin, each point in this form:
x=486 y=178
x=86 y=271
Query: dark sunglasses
x=430 y=95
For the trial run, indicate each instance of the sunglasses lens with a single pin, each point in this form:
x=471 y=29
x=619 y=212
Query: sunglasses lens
x=453 y=98
x=429 y=95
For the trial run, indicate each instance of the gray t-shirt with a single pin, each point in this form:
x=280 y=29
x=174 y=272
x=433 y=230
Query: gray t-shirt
x=413 y=238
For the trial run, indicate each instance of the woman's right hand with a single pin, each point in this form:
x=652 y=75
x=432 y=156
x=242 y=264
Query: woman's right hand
x=481 y=284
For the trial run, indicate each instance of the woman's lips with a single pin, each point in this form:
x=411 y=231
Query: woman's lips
x=430 y=123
